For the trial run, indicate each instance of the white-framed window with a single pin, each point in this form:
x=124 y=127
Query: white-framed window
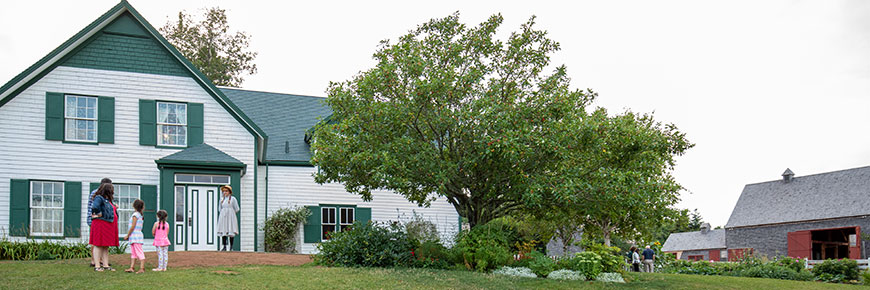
x=204 y=179
x=46 y=208
x=327 y=222
x=80 y=118
x=346 y=218
x=125 y=194
x=171 y=124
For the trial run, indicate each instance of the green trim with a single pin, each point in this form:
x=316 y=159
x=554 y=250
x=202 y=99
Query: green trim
x=117 y=11
x=106 y=120
x=19 y=207
x=195 y=124
x=54 y=116
x=289 y=163
x=80 y=142
x=256 y=224
x=147 y=122
x=167 y=191
x=170 y=147
x=72 y=209
x=148 y=194
x=200 y=163
x=311 y=228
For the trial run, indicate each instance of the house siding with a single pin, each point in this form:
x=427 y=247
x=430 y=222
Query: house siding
x=706 y=253
x=26 y=154
x=772 y=240
x=291 y=186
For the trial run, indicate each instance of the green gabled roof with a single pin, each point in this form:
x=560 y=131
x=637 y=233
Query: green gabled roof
x=286 y=119
x=202 y=154
x=140 y=26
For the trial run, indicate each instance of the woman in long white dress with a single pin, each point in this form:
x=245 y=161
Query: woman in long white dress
x=227 y=226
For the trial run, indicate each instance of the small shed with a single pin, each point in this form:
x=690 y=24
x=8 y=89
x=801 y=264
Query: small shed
x=703 y=245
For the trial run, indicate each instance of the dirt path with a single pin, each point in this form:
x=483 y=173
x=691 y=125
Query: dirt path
x=206 y=259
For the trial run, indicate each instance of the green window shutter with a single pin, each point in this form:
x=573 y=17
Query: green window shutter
x=194 y=124
x=363 y=215
x=94 y=186
x=148 y=194
x=54 y=116
x=19 y=207
x=148 y=122
x=72 y=209
x=312 y=226
x=106 y=120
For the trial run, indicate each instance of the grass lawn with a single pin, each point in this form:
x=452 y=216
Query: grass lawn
x=76 y=274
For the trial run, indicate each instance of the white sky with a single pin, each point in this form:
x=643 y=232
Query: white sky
x=758 y=85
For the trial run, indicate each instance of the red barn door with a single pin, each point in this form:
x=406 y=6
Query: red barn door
x=800 y=244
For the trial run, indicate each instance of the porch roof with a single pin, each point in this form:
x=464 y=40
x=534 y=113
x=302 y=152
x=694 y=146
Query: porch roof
x=202 y=154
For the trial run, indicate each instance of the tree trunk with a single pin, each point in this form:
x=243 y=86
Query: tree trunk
x=606 y=237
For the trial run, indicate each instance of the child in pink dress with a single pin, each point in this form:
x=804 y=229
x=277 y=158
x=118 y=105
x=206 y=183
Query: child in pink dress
x=160 y=230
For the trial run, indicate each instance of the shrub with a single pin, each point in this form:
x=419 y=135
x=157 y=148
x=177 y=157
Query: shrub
x=515 y=272
x=46 y=250
x=120 y=249
x=774 y=271
x=865 y=277
x=541 y=264
x=611 y=260
x=795 y=264
x=431 y=255
x=837 y=270
x=610 y=277
x=367 y=245
x=565 y=274
x=421 y=230
x=281 y=228
x=587 y=263
x=483 y=248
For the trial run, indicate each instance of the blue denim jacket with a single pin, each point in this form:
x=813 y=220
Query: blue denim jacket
x=101 y=205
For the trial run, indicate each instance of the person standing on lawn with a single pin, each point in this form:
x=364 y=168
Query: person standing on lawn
x=104 y=227
x=227 y=226
x=648 y=260
x=90 y=203
x=160 y=230
x=635 y=259
x=135 y=237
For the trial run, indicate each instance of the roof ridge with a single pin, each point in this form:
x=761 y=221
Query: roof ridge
x=267 y=92
x=810 y=175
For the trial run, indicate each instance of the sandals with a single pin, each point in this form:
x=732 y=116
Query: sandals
x=98 y=269
x=109 y=269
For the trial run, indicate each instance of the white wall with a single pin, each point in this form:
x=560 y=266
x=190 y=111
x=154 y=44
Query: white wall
x=25 y=154
x=291 y=186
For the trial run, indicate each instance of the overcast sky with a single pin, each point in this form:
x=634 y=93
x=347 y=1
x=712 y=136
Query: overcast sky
x=758 y=86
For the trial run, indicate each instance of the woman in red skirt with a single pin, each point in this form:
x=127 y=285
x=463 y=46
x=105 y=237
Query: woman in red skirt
x=104 y=228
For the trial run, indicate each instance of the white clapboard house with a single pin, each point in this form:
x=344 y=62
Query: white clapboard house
x=117 y=100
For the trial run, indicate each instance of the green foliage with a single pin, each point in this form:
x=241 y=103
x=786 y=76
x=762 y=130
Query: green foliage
x=565 y=274
x=431 y=255
x=451 y=110
x=541 y=264
x=836 y=270
x=120 y=249
x=367 y=245
x=611 y=260
x=675 y=221
x=485 y=247
x=46 y=250
x=421 y=230
x=865 y=277
x=587 y=263
x=281 y=227
x=221 y=56
x=781 y=268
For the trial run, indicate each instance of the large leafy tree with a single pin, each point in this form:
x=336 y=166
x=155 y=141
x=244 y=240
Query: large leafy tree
x=616 y=173
x=449 y=110
x=223 y=57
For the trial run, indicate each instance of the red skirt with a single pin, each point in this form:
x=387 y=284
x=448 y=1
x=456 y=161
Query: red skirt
x=103 y=233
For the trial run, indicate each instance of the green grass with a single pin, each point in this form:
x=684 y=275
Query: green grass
x=76 y=274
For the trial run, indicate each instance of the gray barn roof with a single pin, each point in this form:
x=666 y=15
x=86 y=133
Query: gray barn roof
x=714 y=239
x=827 y=195
x=284 y=118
